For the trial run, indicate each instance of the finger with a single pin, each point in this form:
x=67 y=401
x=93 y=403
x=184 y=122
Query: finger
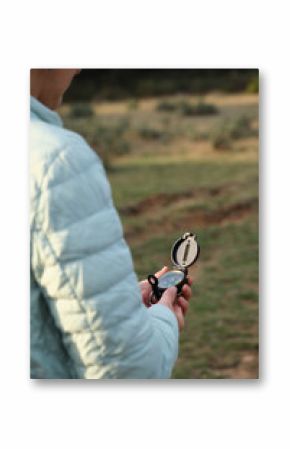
x=186 y=292
x=146 y=301
x=189 y=280
x=169 y=296
x=183 y=303
x=179 y=316
x=143 y=285
x=161 y=272
x=146 y=287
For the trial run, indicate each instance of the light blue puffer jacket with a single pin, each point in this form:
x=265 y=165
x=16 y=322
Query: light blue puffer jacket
x=87 y=316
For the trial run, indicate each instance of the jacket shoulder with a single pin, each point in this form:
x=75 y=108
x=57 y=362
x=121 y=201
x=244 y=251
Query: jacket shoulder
x=57 y=155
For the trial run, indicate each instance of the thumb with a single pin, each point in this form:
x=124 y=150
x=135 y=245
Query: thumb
x=162 y=271
x=169 y=296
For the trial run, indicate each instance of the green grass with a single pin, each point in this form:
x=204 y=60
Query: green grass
x=222 y=323
x=137 y=181
x=222 y=319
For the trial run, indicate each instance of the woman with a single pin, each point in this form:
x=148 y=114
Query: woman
x=88 y=314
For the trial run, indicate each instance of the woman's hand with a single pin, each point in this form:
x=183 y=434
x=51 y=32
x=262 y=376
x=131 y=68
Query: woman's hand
x=146 y=288
x=177 y=304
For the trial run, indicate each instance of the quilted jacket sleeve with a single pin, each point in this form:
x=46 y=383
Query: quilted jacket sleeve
x=85 y=269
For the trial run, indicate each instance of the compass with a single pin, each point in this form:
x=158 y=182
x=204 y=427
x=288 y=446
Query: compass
x=184 y=253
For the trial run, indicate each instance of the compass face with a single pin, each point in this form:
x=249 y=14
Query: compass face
x=170 y=279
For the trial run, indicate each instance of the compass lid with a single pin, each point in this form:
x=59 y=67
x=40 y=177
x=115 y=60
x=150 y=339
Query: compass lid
x=185 y=250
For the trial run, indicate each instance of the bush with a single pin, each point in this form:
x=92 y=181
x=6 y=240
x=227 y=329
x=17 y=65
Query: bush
x=197 y=109
x=148 y=133
x=110 y=139
x=223 y=136
x=206 y=109
x=167 y=106
x=186 y=108
x=200 y=108
x=240 y=127
x=221 y=140
x=81 y=110
x=121 y=127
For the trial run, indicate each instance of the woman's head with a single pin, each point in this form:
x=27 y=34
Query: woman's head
x=49 y=85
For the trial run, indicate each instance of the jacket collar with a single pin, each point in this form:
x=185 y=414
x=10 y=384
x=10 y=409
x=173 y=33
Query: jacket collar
x=39 y=111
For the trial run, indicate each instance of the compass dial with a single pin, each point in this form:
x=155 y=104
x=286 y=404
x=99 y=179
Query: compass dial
x=170 y=279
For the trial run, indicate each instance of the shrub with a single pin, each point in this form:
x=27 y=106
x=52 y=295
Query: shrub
x=148 y=133
x=122 y=126
x=205 y=109
x=81 y=110
x=240 y=127
x=186 y=108
x=110 y=139
x=200 y=108
x=167 y=106
x=221 y=140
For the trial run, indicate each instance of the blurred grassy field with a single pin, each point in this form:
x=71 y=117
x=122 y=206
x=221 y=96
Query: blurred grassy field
x=172 y=171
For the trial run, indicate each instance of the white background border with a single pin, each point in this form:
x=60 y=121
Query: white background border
x=172 y=414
